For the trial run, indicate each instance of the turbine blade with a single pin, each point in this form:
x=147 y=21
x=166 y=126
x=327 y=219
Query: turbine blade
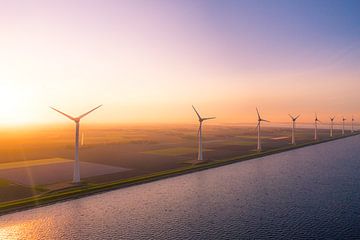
x=291 y=116
x=81 y=116
x=196 y=112
x=264 y=120
x=257 y=125
x=257 y=111
x=297 y=117
x=68 y=116
x=208 y=118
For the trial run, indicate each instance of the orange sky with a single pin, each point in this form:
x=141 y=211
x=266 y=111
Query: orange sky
x=148 y=63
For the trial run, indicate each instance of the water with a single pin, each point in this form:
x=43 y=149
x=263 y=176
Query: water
x=309 y=193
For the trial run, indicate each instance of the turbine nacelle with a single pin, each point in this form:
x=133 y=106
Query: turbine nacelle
x=294 y=118
x=200 y=118
x=208 y=118
x=259 y=117
x=76 y=119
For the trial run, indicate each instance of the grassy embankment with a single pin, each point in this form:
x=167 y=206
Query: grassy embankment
x=87 y=189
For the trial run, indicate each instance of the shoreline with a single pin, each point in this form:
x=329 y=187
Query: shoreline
x=90 y=189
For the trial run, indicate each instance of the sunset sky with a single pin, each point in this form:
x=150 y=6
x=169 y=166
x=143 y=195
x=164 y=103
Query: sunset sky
x=149 y=61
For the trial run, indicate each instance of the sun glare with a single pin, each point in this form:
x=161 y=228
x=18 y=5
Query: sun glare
x=14 y=108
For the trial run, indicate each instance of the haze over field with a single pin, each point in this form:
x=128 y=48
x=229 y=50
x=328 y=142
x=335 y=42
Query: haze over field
x=148 y=61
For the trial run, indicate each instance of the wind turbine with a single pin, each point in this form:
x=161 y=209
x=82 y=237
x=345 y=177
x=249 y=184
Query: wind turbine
x=293 y=128
x=258 y=128
x=316 y=121
x=343 y=125
x=200 y=152
x=332 y=126
x=352 y=124
x=76 y=177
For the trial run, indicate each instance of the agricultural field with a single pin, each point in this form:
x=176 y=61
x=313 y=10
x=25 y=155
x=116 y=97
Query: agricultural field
x=32 y=162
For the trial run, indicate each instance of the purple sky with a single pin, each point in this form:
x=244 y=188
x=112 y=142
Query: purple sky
x=143 y=59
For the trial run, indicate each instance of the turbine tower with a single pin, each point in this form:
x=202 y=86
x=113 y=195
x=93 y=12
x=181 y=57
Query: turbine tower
x=352 y=124
x=200 y=151
x=76 y=177
x=316 y=133
x=343 y=125
x=293 y=128
x=332 y=126
x=258 y=128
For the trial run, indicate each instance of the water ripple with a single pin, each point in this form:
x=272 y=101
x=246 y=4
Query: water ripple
x=309 y=193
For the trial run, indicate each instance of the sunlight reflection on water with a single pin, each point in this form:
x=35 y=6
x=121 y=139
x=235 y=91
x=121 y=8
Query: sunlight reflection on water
x=307 y=193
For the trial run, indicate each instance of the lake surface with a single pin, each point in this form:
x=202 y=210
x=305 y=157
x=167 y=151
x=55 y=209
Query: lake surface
x=308 y=193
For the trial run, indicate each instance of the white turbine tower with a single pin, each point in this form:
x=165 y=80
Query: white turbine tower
x=293 y=128
x=352 y=124
x=316 y=133
x=343 y=125
x=200 y=151
x=332 y=126
x=258 y=128
x=76 y=177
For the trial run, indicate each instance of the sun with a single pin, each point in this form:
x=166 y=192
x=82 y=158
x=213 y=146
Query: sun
x=14 y=105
